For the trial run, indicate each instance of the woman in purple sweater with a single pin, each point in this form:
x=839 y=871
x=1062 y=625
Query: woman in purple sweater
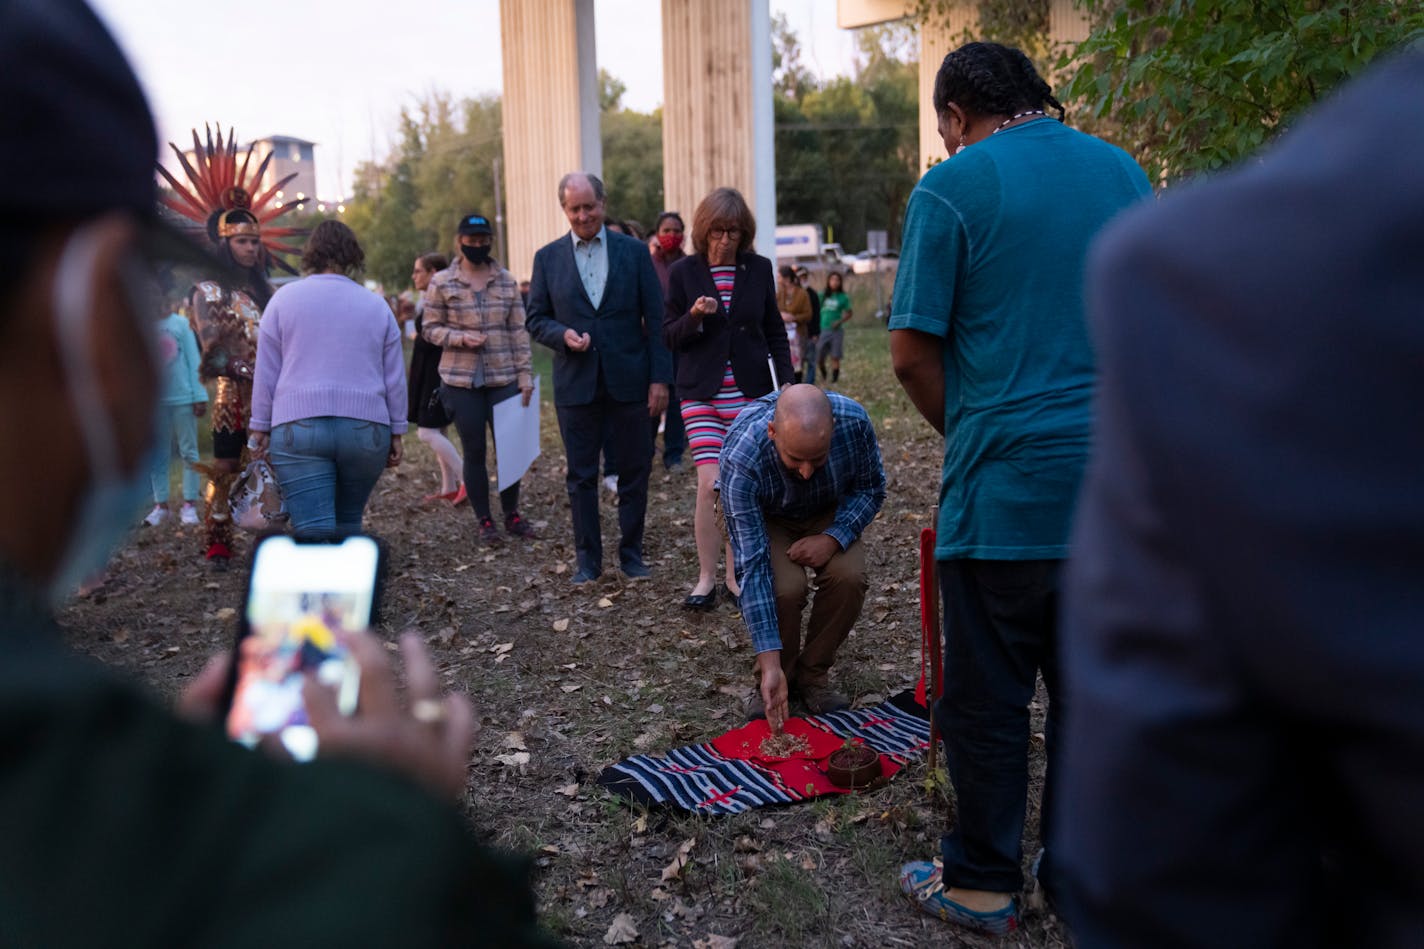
x=328 y=394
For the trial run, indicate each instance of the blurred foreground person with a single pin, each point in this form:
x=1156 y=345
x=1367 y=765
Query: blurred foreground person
x=989 y=340
x=122 y=824
x=1244 y=605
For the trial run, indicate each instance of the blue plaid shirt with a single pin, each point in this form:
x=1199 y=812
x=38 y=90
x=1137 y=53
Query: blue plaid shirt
x=755 y=484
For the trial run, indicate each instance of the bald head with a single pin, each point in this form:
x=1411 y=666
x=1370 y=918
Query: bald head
x=801 y=428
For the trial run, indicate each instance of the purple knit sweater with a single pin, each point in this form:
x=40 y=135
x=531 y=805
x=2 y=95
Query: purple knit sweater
x=328 y=346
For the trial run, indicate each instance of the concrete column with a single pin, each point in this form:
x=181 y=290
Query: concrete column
x=550 y=114
x=717 y=107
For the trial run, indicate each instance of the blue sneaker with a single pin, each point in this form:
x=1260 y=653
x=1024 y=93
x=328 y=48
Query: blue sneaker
x=923 y=884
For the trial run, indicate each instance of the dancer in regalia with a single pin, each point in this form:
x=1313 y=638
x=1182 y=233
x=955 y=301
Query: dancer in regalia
x=227 y=308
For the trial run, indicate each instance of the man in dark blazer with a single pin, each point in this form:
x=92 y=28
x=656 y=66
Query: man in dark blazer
x=1243 y=637
x=595 y=301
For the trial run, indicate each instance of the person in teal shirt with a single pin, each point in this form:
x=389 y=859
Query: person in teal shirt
x=989 y=340
x=182 y=402
x=835 y=313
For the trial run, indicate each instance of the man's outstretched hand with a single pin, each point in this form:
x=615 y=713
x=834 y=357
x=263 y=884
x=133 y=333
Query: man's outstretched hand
x=773 y=689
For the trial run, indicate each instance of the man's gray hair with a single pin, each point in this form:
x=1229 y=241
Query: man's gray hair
x=593 y=182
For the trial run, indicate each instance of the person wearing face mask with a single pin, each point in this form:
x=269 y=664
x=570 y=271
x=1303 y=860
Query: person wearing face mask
x=474 y=312
x=988 y=338
x=665 y=246
x=123 y=822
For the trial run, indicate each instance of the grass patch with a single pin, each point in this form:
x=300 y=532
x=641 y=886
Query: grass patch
x=787 y=901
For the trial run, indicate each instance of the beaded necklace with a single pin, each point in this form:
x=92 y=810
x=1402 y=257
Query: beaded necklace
x=1014 y=118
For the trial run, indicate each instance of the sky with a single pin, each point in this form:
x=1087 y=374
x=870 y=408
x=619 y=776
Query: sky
x=339 y=74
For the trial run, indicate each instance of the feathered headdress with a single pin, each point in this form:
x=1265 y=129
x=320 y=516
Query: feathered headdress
x=219 y=187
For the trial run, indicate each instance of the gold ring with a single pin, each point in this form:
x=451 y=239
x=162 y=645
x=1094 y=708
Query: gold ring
x=428 y=711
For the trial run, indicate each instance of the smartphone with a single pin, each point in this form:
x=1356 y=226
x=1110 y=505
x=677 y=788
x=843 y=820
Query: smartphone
x=301 y=597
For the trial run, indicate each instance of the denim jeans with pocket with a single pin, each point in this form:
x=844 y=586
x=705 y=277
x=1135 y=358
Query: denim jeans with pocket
x=327 y=468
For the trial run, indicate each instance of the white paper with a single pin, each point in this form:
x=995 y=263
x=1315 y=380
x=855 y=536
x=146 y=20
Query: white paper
x=516 y=436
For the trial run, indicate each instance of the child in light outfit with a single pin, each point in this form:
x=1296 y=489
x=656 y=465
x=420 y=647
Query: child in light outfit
x=183 y=402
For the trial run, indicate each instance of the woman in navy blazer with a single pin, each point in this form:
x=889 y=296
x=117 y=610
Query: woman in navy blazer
x=721 y=318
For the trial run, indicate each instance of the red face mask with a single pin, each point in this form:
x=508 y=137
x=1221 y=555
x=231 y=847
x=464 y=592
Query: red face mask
x=669 y=242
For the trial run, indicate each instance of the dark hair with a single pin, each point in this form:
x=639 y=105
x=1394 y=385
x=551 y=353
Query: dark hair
x=332 y=244
x=257 y=286
x=433 y=261
x=787 y=271
x=633 y=228
x=839 y=280
x=669 y=214
x=990 y=79
x=724 y=207
x=617 y=226
x=593 y=182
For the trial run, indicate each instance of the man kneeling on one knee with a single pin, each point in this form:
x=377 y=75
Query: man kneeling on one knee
x=800 y=479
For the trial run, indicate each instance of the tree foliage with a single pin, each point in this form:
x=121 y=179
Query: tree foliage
x=441 y=167
x=847 y=148
x=632 y=156
x=1194 y=86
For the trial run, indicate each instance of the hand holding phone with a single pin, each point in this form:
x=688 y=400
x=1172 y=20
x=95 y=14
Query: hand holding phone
x=429 y=739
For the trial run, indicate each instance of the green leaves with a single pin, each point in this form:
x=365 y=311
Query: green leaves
x=1189 y=87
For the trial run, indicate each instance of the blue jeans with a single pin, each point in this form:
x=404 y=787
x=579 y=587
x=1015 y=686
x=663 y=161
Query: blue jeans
x=171 y=421
x=327 y=468
x=1000 y=623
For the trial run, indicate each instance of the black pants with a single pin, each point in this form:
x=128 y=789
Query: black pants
x=1000 y=623
x=584 y=429
x=472 y=411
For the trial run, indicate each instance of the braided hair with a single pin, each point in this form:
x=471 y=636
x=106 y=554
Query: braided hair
x=991 y=79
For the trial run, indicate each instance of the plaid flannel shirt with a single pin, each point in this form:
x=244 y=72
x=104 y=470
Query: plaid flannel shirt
x=454 y=309
x=755 y=485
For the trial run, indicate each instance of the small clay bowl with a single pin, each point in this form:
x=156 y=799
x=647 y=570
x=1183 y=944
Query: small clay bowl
x=853 y=768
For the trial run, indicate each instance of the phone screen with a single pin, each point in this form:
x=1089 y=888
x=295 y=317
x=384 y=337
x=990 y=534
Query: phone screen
x=301 y=598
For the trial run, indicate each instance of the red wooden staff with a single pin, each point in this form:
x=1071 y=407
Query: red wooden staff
x=931 y=658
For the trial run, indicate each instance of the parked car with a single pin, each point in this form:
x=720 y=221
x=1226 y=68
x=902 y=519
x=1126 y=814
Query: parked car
x=867 y=263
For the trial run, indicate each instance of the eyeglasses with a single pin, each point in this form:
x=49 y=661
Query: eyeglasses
x=717 y=233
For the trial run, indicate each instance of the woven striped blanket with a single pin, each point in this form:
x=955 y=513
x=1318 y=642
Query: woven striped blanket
x=729 y=775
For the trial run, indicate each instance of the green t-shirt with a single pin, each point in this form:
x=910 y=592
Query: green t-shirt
x=832 y=308
x=993 y=252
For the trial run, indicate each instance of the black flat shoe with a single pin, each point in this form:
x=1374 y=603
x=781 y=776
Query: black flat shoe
x=732 y=598
x=701 y=602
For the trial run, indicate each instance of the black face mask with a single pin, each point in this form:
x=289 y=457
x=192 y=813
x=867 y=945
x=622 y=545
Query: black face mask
x=478 y=254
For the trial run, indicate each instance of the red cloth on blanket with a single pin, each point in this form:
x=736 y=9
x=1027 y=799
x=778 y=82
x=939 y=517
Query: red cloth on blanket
x=803 y=773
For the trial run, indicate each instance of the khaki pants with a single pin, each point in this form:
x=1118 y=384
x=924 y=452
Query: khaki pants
x=837 y=592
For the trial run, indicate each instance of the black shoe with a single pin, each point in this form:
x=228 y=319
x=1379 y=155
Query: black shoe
x=701 y=602
x=489 y=534
x=733 y=598
x=517 y=525
x=636 y=570
x=584 y=575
